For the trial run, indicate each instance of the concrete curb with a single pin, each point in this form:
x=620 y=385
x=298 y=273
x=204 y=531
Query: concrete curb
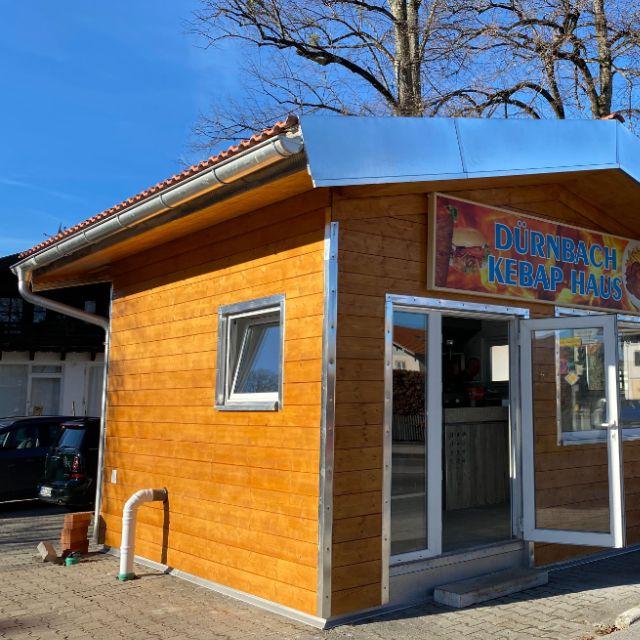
x=627 y=618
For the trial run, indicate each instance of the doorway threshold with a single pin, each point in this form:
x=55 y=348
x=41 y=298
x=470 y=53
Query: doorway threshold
x=458 y=556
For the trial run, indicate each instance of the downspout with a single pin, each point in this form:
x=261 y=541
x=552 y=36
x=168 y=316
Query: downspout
x=24 y=288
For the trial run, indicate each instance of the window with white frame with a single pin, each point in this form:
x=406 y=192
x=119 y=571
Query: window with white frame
x=250 y=347
x=628 y=379
x=30 y=389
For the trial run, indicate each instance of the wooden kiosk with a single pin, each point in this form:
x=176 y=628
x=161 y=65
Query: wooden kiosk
x=367 y=357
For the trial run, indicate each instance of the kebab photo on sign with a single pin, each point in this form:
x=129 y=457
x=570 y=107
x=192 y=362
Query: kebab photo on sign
x=631 y=271
x=460 y=249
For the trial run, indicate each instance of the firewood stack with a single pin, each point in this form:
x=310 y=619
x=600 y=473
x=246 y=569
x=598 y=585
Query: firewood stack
x=74 y=536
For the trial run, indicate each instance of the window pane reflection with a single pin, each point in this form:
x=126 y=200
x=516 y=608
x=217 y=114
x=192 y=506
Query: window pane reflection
x=408 y=477
x=629 y=353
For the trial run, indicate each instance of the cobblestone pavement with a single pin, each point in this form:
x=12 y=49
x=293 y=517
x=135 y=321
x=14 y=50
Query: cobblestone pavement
x=42 y=601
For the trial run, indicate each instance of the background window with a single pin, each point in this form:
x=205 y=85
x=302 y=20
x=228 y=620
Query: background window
x=500 y=363
x=39 y=314
x=13 y=389
x=95 y=383
x=11 y=310
x=250 y=355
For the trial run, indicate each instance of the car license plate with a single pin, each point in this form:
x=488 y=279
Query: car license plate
x=45 y=492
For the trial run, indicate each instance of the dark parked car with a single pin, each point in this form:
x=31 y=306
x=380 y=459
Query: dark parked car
x=72 y=464
x=24 y=443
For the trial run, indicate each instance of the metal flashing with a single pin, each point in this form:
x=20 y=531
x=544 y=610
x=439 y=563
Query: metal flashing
x=361 y=150
x=242 y=596
x=329 y=334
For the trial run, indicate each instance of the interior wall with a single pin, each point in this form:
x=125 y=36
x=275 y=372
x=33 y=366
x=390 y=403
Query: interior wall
x=242 y=485
x=383 y=249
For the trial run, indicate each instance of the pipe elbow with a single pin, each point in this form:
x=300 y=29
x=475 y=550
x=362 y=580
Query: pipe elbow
x=146 y=495
x=129 y=515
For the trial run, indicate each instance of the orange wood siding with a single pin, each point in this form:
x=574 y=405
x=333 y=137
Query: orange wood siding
x=383 y=249
x=243 y=486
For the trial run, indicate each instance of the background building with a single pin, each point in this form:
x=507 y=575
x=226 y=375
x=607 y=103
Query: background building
x=49 y=363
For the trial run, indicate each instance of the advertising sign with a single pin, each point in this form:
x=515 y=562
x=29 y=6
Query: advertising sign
x=494 y=252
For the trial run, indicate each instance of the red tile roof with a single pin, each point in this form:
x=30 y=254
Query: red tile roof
x=279 y=127
x=410 y=339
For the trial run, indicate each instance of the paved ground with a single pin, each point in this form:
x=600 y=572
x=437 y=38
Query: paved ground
x=43 y=601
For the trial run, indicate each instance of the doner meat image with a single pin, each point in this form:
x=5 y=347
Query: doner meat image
x=444 y=238
x=632 y=272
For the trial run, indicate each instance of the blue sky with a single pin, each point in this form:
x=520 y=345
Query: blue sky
x=99 y=101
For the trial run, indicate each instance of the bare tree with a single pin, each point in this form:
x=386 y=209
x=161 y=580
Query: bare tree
x=533 y=58
x=548 y=58
x=339 y=56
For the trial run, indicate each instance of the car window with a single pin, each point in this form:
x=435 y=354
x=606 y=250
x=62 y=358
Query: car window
x=71 y=437
x=22 y=437
x=49 y=433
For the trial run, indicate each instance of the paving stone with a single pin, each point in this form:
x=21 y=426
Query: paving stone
x=42 y=601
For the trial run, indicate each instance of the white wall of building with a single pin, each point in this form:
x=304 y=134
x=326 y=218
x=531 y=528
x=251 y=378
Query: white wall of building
x=47 y=384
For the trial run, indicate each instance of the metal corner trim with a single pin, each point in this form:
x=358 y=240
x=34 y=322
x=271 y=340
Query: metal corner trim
x=325 y=504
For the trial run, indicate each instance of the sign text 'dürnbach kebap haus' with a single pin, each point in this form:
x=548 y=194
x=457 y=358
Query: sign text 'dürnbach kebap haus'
x=485 y=250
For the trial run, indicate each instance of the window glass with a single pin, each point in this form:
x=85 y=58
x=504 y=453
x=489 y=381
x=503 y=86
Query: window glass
x=22 y=437
x=571 y=361
x=13 y=389
x=11 y=309
x=39 y=314
x=250 y=355
x=90 y=306
x=71 y=438
x=500 y=363
x=46 y=368
x=629 y=365
x=580 y=375
x=257 y=368
x=408 y=449
x=95 y=381
x=49 y=433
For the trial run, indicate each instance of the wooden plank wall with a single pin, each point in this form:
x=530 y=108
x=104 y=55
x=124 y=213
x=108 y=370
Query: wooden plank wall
x=243 y=486
x=383 y=249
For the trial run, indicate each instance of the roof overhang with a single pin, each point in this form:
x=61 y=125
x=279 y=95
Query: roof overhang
x=330 y=151
x=356 y=151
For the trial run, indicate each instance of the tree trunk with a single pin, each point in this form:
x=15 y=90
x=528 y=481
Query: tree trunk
x=605 y=79
x=407 y=62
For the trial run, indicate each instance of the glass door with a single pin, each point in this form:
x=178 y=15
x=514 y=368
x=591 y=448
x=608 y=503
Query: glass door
x=573 y=492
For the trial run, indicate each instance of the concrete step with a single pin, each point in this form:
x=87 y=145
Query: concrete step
x=488 y=587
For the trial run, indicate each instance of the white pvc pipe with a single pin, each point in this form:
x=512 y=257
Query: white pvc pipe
x=128 y=542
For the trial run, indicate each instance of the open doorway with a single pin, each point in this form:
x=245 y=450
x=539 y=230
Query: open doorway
x=450 y=480
x=476 y=500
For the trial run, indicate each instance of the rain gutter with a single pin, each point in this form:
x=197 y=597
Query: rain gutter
x=229 y=171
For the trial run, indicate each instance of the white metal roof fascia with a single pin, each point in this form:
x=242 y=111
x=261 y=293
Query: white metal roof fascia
x=345 y=151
